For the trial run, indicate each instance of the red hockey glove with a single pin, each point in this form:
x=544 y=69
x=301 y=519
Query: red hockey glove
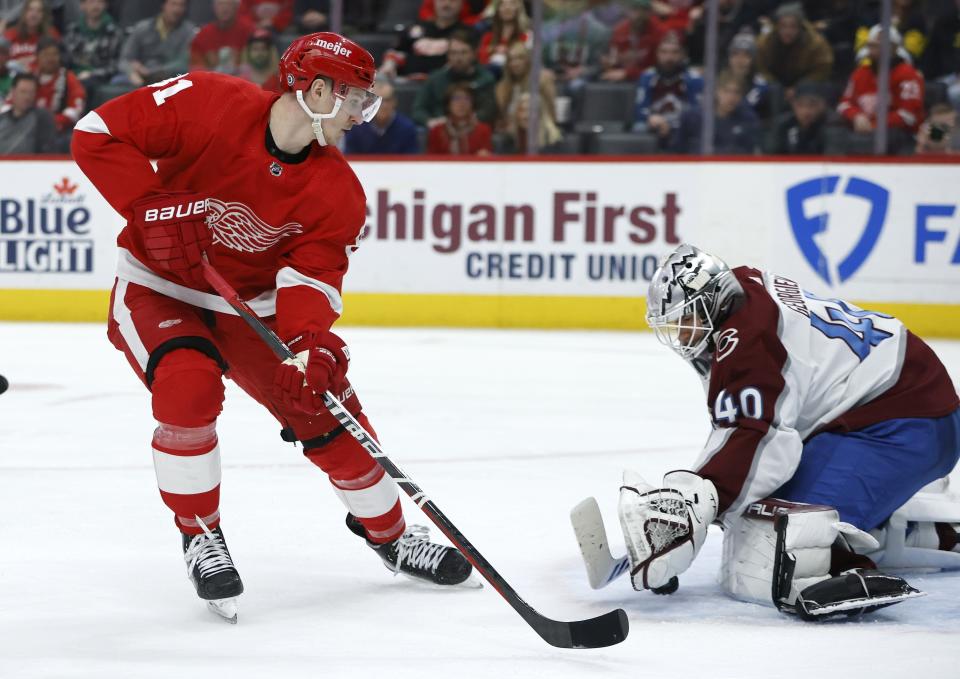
x=175 y=233
x=321 y=364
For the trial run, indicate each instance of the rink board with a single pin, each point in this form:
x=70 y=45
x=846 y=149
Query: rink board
x=560 y=244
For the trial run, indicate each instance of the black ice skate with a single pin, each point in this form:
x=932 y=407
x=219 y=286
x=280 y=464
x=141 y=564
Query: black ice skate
x=212 y=572
x=415 y=556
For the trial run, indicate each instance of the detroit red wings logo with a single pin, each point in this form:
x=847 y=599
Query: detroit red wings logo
x=237 y=227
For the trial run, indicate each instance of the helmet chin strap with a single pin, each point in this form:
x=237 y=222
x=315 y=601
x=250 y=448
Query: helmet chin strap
x=318 y=118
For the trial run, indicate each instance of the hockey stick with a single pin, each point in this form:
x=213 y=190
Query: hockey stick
x=602 y=568
x=605 y=630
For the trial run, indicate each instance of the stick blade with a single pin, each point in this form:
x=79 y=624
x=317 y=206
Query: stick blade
x=605 y=630
x=602 y=568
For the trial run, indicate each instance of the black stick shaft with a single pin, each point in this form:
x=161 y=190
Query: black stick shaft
x=606 y=630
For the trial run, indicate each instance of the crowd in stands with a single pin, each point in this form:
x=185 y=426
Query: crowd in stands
x=619 y=76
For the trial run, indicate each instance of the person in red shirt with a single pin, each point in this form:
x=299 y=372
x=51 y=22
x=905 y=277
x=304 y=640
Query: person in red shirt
x=219 y=44
x=60 y=91
x=471 y=12
x=274 y=15
x=633 y=45
x=240 y=181
x=510 y=24
x=460 y=133
x=859 y=102
x=34 y=23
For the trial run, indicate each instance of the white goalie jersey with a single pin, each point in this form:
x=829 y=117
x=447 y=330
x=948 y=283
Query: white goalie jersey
x=788 y=365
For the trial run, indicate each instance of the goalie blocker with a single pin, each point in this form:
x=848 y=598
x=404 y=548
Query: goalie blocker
x=807 y=561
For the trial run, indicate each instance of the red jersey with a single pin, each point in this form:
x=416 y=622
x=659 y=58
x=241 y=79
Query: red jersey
x=635 y=51
x=789 y=365
x=906 y=96
x=62 y=94
x=283 y=229
x=278 y=12
x=206 y=45
x=23 y=49
x=488 y=49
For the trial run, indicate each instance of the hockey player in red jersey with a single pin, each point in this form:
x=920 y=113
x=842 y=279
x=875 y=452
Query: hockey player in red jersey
x=834 y=429
x=240 y=181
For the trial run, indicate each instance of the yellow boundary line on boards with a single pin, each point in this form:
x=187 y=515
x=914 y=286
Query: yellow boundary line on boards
x=459 y=311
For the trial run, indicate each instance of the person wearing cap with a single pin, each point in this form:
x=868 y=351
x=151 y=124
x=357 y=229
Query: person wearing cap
x=741 y=63
x=92 y=45
x=665 y=90
x=259 y=61
x=906 y=86
x=802 y=130
x=793 y=50
x=633 y=45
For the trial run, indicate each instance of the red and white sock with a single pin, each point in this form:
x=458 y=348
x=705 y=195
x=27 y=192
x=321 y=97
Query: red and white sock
x=187 y=463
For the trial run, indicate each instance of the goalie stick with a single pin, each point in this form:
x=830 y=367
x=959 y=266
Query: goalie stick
x=605 y=630
x=602 y=568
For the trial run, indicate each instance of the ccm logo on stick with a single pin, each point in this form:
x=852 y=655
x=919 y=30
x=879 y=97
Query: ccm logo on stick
x=198 y=207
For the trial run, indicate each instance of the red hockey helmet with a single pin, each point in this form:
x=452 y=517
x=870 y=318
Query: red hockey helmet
x=350 y=67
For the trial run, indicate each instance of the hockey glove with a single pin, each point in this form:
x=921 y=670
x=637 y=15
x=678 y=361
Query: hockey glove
x=665 y=527
x=175 y=233
x=320 y=365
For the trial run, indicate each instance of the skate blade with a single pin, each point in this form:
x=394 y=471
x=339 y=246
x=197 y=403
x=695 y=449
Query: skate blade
x=225 y=608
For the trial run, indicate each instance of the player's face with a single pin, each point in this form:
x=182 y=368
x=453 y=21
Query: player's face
x=691 y=330
x=354 y=106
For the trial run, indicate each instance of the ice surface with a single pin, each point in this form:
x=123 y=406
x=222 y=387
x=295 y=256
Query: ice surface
x=505 y=430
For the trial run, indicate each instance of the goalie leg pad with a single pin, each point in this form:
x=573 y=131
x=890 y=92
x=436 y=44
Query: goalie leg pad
x=751 y=545
x=854 y=592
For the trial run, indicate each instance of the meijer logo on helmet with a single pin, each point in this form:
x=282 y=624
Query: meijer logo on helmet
x=335 y=47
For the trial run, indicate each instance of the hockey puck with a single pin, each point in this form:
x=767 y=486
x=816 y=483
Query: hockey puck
x=3 y=384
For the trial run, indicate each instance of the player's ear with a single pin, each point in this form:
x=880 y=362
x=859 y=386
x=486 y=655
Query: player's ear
x=318 y=87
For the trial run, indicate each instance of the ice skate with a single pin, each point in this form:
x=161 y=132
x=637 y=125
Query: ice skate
x=212 y=572
x=415 y=556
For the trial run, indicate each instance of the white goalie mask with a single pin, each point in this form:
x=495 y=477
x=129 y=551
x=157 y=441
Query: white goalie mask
x=690 y=295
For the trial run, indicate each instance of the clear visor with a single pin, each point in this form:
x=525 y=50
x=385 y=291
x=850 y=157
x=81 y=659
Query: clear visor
x=684 y=328
x=360 y=103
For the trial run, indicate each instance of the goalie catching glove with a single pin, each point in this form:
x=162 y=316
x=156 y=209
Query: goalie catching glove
x=664 y=527
x=320 y=365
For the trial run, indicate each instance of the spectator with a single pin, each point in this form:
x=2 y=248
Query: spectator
x=158 y=47
x=859 y=101
x=516 y=82
x=259 y=61
x=942 y=55
x=575 y=38
x=272 y=15
x=313 y=15
x=633 y=45
x=389 y=132
x=733 y=17
x=92 y=45
x=740 y=62
x=517 y=126
x=423 y=47
x=510 y=25
x=219 y=45
x=802 y=131
x=431 y=102
x=936 y=133
x=24 y=128
x=470 y=12
x=907 y=17
x=736 y=129
x=33 y=23
x=666 y=90
x=6 y=75
x=59 y=91
x=460 y=133
x=793 y=50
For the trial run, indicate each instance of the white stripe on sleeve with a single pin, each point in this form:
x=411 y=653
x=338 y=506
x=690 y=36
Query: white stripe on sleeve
x=289 y=277
x=92 y=122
